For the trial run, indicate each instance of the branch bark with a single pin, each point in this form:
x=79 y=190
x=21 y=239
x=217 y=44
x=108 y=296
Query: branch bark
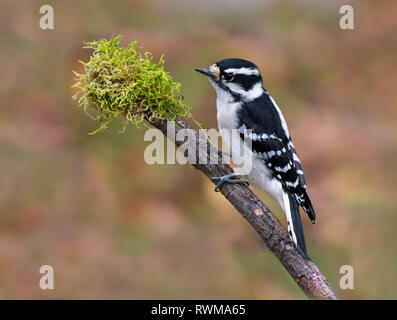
x=304 y=272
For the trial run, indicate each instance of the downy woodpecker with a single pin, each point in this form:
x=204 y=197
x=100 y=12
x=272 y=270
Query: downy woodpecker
x=243 y=104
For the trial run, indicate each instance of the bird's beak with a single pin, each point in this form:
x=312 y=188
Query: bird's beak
x=213 y=71
x=204 y=71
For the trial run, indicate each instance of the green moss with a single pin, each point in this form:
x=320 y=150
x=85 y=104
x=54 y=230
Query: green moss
x=120 y=81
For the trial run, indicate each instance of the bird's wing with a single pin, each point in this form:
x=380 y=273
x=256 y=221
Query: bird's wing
x=265 y=127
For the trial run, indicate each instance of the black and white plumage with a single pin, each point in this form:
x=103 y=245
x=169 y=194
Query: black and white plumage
x=243 y=104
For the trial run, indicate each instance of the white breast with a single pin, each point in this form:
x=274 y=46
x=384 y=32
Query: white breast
x=227 y=113
x=259 y=174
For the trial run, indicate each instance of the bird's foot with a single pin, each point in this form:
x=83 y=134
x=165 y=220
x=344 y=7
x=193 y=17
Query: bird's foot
x=229 y=178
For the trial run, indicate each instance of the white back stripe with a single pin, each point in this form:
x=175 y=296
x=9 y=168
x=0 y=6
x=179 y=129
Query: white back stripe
x=283 y=123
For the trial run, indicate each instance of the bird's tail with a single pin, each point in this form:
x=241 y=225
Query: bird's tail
x=295 y=228
x=309 y=208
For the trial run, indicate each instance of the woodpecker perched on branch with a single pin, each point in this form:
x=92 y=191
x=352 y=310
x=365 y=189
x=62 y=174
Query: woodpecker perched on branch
x=243 y=104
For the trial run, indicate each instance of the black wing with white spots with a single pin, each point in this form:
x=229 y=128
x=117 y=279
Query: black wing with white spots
x=261 y=122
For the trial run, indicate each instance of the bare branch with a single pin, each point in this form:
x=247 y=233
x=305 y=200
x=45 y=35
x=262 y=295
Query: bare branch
x=304 y=272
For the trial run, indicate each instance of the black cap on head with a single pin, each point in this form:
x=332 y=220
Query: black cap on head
x=235 y=63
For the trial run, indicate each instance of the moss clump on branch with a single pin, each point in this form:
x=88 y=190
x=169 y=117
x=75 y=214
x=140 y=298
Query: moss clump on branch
x=121 y=81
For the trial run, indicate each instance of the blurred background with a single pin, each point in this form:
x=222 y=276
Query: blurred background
x=112 y=226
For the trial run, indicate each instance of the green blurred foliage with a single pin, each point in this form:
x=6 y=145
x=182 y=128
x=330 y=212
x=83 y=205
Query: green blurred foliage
x=114 y=227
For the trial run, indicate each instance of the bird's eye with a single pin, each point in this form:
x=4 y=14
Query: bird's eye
x=228 y=76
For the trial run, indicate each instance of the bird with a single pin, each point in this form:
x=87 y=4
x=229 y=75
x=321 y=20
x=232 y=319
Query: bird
x=244 y=105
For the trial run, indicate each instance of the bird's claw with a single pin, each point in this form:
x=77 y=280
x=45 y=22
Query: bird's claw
x=229 y=178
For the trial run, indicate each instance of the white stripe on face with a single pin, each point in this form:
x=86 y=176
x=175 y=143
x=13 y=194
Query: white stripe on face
x=255 y=92
x=244 y=71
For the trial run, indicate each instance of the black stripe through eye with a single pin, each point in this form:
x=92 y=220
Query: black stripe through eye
x=247 y=81
x=228 y=76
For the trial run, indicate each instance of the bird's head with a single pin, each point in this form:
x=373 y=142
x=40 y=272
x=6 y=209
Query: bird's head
x=237 y=77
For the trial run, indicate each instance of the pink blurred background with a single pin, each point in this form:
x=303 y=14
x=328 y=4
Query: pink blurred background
x=114 y=227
